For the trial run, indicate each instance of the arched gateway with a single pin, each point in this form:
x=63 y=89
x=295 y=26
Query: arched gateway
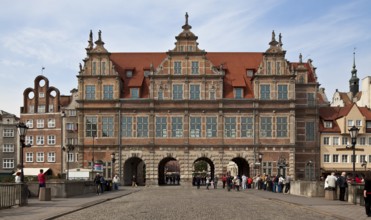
x=134 y=166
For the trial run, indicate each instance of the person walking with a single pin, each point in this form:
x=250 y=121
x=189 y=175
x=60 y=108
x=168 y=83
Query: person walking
x=198 y=182
x=367 y=195
x=97 y=183
x=343 y=185
x=224 y=180
x=229 y=182
x=281 y=181
x=216 y=179
x=134 y=181
x=207 y=182
x=287 y=184
x=116 y=181
x=244 y=180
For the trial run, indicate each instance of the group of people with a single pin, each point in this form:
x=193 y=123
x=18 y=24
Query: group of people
x=332 y=181
x=274 y=183
x=101 y=183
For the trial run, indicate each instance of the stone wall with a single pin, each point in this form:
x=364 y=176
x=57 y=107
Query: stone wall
x=308 y=188
x=62 y=189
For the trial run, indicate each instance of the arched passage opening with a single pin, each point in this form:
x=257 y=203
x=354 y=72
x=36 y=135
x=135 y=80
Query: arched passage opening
x=203 y=167
x=242 y=166
x=134 y=167
x=168 y=172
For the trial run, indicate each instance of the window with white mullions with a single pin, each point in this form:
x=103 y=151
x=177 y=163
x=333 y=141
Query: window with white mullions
x=195 y=126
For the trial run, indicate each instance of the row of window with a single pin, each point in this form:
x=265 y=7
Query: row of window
x=8 y=148
x=40 y=108
x=345 y=141
x=51 y=157
x=198 y=127
x=40 y=140
x=357 y=123
x=345 y=158
x=40 y=123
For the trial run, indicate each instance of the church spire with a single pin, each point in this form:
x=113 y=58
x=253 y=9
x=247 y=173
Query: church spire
x=354 y=80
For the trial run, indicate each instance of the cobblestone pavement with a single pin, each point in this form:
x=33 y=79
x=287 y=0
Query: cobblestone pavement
x=189 y=203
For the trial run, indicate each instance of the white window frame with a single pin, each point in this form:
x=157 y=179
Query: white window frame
x=51 y=157
x=9 y=148
x=29 y=157
x=40 y=123
x=8 y=163
x=51 y=123
x=8 y=132
x=40 y=157
x=51 y=139
x=29 y=123
x=326 y=158
x=40 y=140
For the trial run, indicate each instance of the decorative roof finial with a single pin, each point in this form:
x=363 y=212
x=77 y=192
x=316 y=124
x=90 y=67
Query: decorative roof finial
x=354 y=58
x=300 y=58
x=186 y=26
x=186 y=17
x=100 y=35
x=280 y=40
x=273 y=36
x=90 y=41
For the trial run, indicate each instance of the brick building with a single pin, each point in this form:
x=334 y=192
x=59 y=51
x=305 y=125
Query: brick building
x=9 y=143
x=188 y=105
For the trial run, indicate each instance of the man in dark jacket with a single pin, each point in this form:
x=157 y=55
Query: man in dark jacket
x=342 y=183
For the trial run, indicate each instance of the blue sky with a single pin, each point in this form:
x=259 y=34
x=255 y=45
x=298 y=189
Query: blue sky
x=53 y=34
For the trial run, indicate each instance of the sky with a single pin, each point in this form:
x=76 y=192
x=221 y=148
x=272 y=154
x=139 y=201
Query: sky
x=53 y=34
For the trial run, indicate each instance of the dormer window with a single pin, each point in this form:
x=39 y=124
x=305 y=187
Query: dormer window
x=238 y=93
x=134 y=92
x=328 y=124
x=146 y=73
x=249 y=73
x=129 y=73
x=358 y=123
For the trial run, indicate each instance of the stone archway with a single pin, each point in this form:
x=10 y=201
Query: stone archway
x=134 y=166
x=209 y=171
x=243 y=166
x=168 y=172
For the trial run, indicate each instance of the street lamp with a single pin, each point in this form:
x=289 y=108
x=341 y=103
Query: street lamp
x=92 y=159
x=22 y=130
x=353 y=131
x=68 y=149
x=260 y=158
x=113 y=160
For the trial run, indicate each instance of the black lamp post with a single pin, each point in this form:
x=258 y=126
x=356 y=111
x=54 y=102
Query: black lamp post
x=260 y=158
x=68 y=149
x=113 y=160
x=353 y=131
x=92 y=159
x=22 y=130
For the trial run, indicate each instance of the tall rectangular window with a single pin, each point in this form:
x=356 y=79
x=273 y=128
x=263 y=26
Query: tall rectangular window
x=282 y=92
x=160 y=94
x=103 y=68
x=127 y=126
x=266 y=127
x=362 y=141
x=326 y=158
x=51 y=157
x=142 y=126
x=326 y=140
x=230 y=127
x=71 y=157
x=51 y=108
x=269 y=68
x=177 y=67
x=344 y=141
x=40 y=140
x=51 y=123
x=40 y=157
x=90 y=92
x=246 y=127
x=344 y=158
x=278 y=68
x=194 y=92
x=195 y=127
x=29 y=157
x=8 y=148
x=91 y=126
x=40 y=123
x=41 y=108
x=362 y=158
x=211 y=126
x=8 y=163
x=161 y=127
x=309 y=131
x=29 y=140
x=108 y=92
x=29 y=123
x=51 y=140
x=8 y=133
x=265 y=92
x=177 y=92
x=238 y=93
x=194 y=67
x=335 y=158
x=177 y=127
x=311 y=99
x=335 y=141
x=107 y=126
x=281 y=126
x=94 y=68
x=212 y=95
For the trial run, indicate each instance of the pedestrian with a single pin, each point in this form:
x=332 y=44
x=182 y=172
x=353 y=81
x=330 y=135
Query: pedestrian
x=198 y=182
x=97 y=183
x=207 y=182
x=18 y=177
x=331 y=181
x=102 y=184
x=224 y=180
x=249 y=182
x=244 y=180
x=216 y=179
x=237 y=182
x=116 y=181
x=281 y=182
x=134 y=181
x=288 y=184
x=229 y=182
x=343 y=185
x=41 y=180
x=367 y=195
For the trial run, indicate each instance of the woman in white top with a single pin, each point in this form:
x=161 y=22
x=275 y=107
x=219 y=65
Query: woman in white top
x=18 y=177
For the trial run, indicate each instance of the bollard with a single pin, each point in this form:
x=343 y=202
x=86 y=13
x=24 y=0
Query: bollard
x=45 y=194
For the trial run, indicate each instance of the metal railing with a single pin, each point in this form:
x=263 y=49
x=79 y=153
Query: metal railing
x=12 y=194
